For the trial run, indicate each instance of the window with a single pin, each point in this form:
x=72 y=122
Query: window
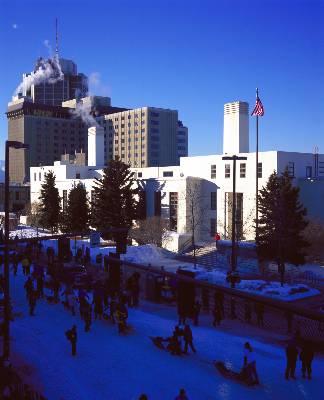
x=213 y=200
x=77 y=175
x=291 y=169
x=242 y=170
x=308 y=172
x=154 y=122
x=212 y=227
x=154 y=114
x=321 y=167
x=140 y=174
x=35 y=176
x=213 y=171
x=40 y=176
x=173 y=210
x=227 y=170
x=167 y=173
x=260 y=170
x=181 y=140
x=17 y=195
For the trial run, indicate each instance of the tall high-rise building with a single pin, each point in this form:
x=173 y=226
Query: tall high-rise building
x=50 y=131
x=236 y=128
x=64 y=83
x=146 y=137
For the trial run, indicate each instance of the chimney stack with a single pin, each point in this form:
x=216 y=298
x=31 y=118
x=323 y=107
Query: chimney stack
x=96 y=146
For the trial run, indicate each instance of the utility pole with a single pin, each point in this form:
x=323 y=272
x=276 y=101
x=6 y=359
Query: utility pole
x=233 y=158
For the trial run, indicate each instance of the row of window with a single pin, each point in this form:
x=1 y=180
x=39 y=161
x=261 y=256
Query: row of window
x=228 y=170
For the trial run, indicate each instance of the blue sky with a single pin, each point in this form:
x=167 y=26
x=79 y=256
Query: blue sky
x=186 y=55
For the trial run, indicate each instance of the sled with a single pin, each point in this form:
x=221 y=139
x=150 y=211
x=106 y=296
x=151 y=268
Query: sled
x=157 y=341
x=240 y=377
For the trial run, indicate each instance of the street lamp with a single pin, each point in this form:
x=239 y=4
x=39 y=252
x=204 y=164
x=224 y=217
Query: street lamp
x=233 y=277
x=6 y=333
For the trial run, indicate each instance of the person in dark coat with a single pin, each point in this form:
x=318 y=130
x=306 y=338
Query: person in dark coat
x=188 y=339
x=306 y=356
x=32 y=302
x=28 y=287
x=15 y=261
x=182 y=395
x=40 y=285
x=98 y=305
x=72 y=337
x=291 y=355
x=87 y=316
x=196 y=312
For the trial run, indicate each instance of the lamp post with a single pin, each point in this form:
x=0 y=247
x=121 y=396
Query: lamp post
x=6 y=333
x=232 y=277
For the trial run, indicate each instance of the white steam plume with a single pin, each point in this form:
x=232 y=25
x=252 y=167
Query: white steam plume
x=83 y=111
x=49 y=71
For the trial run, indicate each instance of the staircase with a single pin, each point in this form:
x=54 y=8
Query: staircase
x=209 y=257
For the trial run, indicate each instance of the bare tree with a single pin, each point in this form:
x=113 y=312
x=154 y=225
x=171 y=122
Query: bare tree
x=152 y=230
x=196 y=207
x=314 y=234
x=34 y=213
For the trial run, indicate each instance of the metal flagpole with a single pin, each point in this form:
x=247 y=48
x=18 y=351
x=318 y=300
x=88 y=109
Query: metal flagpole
x=256 y=175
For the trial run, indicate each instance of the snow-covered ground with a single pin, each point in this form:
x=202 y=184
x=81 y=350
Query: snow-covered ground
x=113 y=367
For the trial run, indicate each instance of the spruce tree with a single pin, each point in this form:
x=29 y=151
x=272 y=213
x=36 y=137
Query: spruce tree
x=77 y=214
x=114 y=204
x=281 y=223
x=50 y=203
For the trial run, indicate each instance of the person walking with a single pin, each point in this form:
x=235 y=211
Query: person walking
x=32 y=302
x=306 y=356
x=188 y=339
x=25 y=265
x=135 y=289
x=28 y=287
x=72 y=337
x=40 y=284
x=291 y=355
x=182 y=395
x=250 y=364
x=15 y=261
x=87 y=316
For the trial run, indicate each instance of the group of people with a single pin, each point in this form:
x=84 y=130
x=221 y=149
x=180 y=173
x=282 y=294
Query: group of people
x=179 y=342
x=306 y=355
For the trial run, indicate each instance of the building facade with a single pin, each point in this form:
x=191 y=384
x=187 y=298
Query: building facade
x=19 y=197
x=50 y=131
x=199 y=186
x=145 y=137
x=70 y=84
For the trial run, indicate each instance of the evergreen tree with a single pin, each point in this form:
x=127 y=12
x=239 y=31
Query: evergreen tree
x=77 y=214
x=114 y=205
x=281 y=223
x=50 y=203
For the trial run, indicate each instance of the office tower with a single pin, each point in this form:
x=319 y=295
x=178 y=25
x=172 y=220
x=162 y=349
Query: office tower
x=146 y=137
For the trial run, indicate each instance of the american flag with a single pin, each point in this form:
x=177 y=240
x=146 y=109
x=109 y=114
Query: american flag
x=258 y=109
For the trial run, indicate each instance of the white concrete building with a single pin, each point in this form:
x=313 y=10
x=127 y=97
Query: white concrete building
x=199 y=186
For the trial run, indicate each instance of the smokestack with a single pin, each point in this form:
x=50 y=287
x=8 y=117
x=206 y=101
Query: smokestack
x=96 y=146
x=236 y=128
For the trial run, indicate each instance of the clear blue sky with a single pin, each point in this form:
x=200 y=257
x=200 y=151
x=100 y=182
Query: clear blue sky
x=192 y=56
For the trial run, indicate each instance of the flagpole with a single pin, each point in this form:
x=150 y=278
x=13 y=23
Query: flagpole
x=256 y=175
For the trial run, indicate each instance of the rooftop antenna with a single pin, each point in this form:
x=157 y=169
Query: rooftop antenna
x=56 y=38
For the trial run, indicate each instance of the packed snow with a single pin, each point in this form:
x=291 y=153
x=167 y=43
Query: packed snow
x=114 y=367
